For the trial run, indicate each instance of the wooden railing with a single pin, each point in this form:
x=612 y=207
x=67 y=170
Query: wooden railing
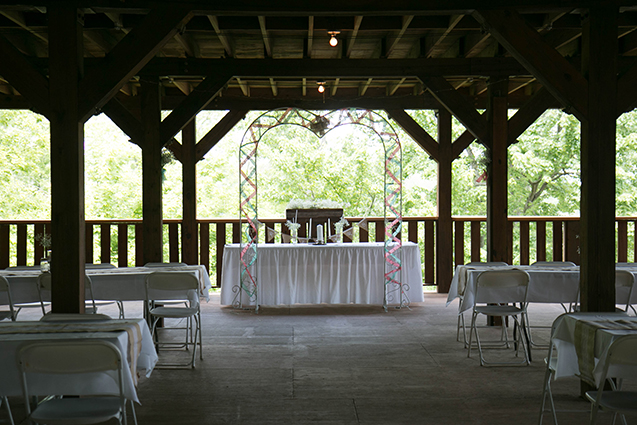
x=118 y=241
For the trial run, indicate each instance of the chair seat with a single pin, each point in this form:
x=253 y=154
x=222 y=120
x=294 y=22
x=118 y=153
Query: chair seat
x=498 y=310
x=85 y=410
x=617 y=401
x=173 y=311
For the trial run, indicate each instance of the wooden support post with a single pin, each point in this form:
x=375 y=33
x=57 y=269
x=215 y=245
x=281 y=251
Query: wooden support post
x=444 y=235
x=189 y=233
x=67 y=158
x=497 y=205
x=599 y=64
x=151 y=171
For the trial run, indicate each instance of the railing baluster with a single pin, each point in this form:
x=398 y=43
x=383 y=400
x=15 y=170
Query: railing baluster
x=430 y=258
x=38 y=249
x=524 y=243
x=88 y=241
x=558 y=241
x=541 y=241
x=5 y=246
x=122 y=245
x=622 y=241
x=380 y=230
x=139 y=244
x=475 y=241
x=105 y=243
x=412 y=231
x=173 y=242
x=459 y=243
x=221 y=241
x=22 y=244
x=510 y=242
x=236 y=233
x=204 y=245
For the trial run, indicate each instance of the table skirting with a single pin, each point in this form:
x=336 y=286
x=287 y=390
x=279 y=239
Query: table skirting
x=313 y=274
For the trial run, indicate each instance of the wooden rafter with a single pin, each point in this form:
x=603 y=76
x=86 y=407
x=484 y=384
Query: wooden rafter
x=129 y=56
x=17 y=17
x=397 y=37
x=459 y=106
x=245 y=88
x=24 y=77
x=275 y=91
x=266 y=37
x=529 y=113
x=364 y=86
x=415 y=131
x=525 y=44
x=189 y=45
x=188 y=109
x=453 y=21
x=334 y=87
x=310 y=35
x=476 y=43
x=358 y=20
x=225 y=42
x=217 y=132
x=391 y=88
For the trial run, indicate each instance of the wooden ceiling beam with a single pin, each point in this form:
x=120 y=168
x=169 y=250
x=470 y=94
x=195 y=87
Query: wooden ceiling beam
x=129 y=56
x=461 y=143
x=396 y=39
x=266 y=37
x=476 y=43
x=453 y=21
x=627 y=91
x=358 y=20
x=332 y=68
x=190 y=107
x=225 y=42
x=17 y=18
x=310 y=35
x=217 y=132
x=526 y=45
x=415 y=131
x=16 y=69
x=459 y=106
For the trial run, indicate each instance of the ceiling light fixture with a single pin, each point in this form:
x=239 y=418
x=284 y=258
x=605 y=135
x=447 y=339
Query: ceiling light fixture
x=333 y=39
x=321 y=86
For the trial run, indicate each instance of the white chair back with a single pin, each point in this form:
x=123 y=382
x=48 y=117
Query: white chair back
x=487 y=263
x=554 y=264
x=502 y=286
x=165 y=264
x=91 y=266
x=624 y=284
x=172 y=285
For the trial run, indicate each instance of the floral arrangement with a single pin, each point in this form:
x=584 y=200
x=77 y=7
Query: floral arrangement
x=292 y=226
x=306 y=204
x=45 y=240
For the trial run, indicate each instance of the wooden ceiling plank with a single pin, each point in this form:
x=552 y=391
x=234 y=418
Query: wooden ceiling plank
x=529 y=113
x=526 y=45
x=129 y=56
x=476 y=43
x=16 y=69
x=225 y=42
x=190 y=107
x=391 y=89
x=363 y=87
x=459 y=106
x=266 y=37
x=217 y=132
x=352 y=39
x=245 y=88
x=453 y=21
x=188 y=44
x=406 y=21
x=415 y=131
x=310 y=35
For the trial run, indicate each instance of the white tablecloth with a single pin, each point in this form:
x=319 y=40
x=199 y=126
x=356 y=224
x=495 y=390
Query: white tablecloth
x=122 y=284
x=313 y=274
x=133 y=339
x=546 y=285
x=564 y=340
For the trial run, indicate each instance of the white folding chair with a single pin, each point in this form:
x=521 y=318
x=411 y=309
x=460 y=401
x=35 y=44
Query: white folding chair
x=43 y=284
x=6 y=290
x=461 y=323
x=175 y=286
x=69 y=357
x=5 y=400
x=497 y=292
x=551 y=368
x=97 y=266
x=554 y=264
x=619 y=363
x=174 y=264
x=624 y=286
x=92 y=304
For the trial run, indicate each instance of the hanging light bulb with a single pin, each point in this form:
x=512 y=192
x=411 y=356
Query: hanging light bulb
x=333 y=39
x=321 y=86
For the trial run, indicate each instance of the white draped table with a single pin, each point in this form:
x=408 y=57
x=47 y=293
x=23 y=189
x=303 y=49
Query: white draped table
x=121 y=284
x=314 y=274
x=546 y=284
x=131 y=336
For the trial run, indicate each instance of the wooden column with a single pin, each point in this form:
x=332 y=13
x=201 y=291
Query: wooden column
x=444 y=235
x=189 y=231
x=151 y=169
x=67 y=158
x=497 y=205
x=599 y=64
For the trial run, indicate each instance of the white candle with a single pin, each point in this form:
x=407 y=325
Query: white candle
x=296 y=214
x=309 y=236
x=329 y=229
x=319 y=233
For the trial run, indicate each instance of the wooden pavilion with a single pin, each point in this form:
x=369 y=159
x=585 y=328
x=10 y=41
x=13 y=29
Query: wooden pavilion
x=69 y=60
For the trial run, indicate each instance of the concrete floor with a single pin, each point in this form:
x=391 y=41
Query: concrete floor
x=347 y=365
